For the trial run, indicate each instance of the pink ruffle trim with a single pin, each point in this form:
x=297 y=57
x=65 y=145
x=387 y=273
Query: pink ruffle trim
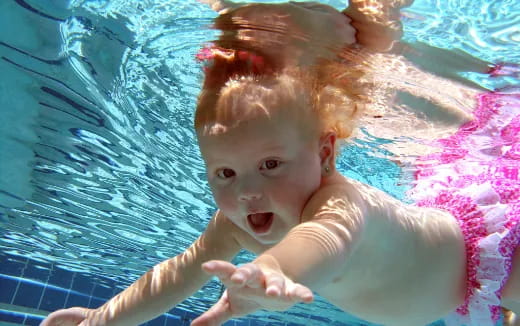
x=475 y=177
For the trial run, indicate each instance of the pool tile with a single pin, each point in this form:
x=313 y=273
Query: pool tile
x=13 y=265
x=95 y=303
x=76 y=300
x=95 y=294
x=28 y=294
x=53 y=299
x=35 y=272
x=8 y=288
x=61 y=278
x=32 y=320
x=82 y=284
x=11 y=317
x=103 y=292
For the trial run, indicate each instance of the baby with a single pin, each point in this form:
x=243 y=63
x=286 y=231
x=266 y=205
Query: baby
x=268 y=126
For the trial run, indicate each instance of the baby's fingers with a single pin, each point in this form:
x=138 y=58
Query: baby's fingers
x=221 y=269
x=248 y=274
x=275 y=285
x=299 y=292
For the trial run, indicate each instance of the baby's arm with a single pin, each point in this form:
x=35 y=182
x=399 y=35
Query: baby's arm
x=314 y=252
x=310 y=256
x=163 y=286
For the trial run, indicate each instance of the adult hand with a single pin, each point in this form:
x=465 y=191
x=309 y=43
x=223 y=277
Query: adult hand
x=250 y=287
x=220 y=5
x=289 y=33
x=377 y=23
x=66 y=317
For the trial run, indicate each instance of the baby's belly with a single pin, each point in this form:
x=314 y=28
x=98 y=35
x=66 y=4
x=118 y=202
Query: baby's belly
x=401 y=289
x=400 y=304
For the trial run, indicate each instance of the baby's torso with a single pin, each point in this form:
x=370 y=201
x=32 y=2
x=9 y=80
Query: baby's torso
x=408 y=266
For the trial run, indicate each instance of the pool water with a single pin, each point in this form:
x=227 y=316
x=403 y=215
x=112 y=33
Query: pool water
x=100 y=175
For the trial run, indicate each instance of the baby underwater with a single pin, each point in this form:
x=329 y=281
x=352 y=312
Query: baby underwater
x=269 y=120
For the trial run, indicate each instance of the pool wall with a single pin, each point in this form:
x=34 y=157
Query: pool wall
x=29 y=290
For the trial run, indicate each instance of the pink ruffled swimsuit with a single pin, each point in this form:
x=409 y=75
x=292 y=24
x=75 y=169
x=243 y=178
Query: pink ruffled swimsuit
x=476 y=177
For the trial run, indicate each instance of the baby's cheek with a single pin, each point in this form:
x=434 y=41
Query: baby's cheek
x=224 y=202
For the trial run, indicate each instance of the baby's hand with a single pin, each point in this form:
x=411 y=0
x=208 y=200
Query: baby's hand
x=249 y=288
x=66 y=317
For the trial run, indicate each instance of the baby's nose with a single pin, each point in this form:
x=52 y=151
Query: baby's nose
x=250 y=188
x=250 y=195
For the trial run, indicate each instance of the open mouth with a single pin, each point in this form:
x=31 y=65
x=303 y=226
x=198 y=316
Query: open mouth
x=260 y=222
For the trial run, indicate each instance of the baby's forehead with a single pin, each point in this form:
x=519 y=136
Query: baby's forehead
x=243 y=100
x=270 y=92
x=271 y=119
x=251 y=139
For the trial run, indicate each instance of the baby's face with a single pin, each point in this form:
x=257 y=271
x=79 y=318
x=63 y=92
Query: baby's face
x=262 y=173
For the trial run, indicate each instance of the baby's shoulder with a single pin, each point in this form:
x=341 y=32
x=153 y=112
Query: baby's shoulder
x=337 y=198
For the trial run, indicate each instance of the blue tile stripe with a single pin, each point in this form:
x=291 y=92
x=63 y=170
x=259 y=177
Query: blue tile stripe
x=35 y=286
x=38 y=283
x=20 y=318
x=51 y=297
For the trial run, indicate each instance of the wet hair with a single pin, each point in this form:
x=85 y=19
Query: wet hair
x=349 y=83
x=332 y=92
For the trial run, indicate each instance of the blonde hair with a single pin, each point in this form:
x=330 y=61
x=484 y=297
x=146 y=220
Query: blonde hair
x=330 y=93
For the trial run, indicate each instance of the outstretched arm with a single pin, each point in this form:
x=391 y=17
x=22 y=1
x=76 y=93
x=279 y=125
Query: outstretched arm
x=162 y=287
x=315 y=252
x=309 y=257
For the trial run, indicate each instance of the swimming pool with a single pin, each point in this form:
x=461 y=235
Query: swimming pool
x=100 y=177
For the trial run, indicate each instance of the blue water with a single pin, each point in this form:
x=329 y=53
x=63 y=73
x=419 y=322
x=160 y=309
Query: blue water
x=100 y=175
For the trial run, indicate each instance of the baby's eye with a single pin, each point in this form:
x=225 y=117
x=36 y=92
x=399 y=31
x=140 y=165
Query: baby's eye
x=225 y=173
x=270 y=164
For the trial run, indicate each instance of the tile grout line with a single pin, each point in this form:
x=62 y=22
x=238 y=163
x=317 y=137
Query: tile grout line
x=45 y=286
x=91 y=294
x=23 y=274
x=69 y=289
x=18 y=284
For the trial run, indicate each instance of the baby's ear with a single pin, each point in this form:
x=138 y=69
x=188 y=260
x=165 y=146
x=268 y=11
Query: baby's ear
x=328 y=149
x=220 y=6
